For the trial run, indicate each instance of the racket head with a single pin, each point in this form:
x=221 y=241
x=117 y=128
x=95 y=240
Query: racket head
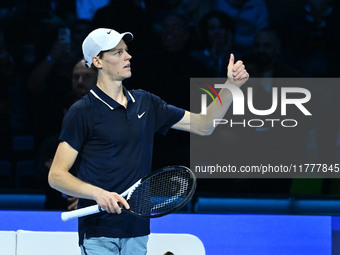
x=162 y=192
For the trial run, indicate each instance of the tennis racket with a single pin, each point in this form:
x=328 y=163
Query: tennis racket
x=157 y=194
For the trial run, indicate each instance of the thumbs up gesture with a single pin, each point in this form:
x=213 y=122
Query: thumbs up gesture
x=237 y=74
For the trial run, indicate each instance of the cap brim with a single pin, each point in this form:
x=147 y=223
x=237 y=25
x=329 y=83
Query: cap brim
x=127 y=37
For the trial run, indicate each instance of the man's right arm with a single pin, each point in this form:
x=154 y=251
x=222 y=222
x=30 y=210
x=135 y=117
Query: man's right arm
x=61 y=179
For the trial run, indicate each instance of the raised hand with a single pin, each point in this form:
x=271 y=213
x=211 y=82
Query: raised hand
x=237 y=74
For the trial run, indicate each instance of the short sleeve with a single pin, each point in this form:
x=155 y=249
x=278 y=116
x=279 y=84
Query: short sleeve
x=165 y=115
x=76 y=127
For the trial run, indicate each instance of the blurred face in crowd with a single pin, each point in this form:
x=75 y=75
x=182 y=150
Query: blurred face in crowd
x=174 y=33
x=83 y=79
x=216 y=32
x=266 y=47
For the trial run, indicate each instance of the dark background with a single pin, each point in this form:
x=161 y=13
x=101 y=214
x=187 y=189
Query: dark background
x=171 y=44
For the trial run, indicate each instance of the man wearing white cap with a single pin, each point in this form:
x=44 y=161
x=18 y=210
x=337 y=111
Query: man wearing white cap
x=108 y=136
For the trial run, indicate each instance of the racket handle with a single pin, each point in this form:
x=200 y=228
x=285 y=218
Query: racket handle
x=81 y=212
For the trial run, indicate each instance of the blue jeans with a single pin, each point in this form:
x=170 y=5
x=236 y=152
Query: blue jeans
x=114 y=246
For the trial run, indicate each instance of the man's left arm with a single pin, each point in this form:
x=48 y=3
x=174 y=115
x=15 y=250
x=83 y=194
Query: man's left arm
x=200 y=124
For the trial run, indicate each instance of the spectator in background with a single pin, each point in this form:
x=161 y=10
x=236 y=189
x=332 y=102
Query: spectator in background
x=262 y=145
x=249 y=17
x=314 y=37
x=217 y=31
x=314 y=41
x=28 y=26
x=83 y=79
x=79 y=30
x=266 y=144
x=169 y=66
x=166 y=71
x=48 y=82
x=12 y=116
x=194 y=10
x=266 y=60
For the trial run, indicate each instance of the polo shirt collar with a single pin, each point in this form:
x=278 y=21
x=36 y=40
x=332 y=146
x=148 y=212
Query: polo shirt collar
x=108 y=101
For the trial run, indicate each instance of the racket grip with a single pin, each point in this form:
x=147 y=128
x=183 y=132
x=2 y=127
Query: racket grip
x=81 y=212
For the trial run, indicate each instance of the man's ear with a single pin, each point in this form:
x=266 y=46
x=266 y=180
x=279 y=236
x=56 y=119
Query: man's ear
x=97 y=62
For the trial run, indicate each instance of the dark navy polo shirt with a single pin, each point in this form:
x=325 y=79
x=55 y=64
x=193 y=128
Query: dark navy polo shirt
x=115 y=150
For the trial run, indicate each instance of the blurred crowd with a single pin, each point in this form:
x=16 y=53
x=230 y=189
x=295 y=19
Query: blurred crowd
x=42 y=74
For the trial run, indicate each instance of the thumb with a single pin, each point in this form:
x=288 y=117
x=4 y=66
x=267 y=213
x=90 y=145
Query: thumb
x=231 y=59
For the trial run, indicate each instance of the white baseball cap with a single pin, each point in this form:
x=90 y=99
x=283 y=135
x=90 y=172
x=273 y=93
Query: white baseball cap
x=102 y=39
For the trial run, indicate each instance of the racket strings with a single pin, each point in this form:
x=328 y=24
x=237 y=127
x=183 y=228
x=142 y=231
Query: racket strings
x=161 y=192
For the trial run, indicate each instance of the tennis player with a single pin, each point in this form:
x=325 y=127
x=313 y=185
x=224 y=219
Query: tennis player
x=108 y=136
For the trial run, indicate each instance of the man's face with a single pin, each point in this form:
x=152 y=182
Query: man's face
x=216 y=32
x=266 y=47
x=174 y=33
x=116 y=62
x=83 y=79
